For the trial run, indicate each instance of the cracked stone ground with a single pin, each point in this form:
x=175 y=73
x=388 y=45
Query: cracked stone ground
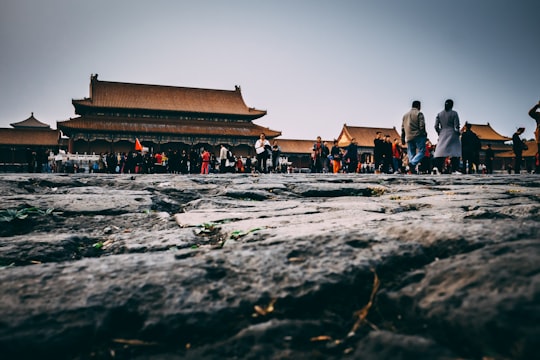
x=269 y=266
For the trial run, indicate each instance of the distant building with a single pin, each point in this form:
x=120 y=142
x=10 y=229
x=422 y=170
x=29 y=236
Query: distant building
x=162 y=118
x=173 y=118
x=529 y=156
x=487 y=135
x=26 y=144
x=364 y=137
x=298 y=152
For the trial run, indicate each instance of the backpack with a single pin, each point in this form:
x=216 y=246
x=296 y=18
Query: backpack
x=229 y=155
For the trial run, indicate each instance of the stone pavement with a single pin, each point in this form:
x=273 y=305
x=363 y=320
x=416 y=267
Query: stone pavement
x=270 y=266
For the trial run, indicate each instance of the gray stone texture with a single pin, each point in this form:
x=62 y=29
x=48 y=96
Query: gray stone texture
x=238 y=266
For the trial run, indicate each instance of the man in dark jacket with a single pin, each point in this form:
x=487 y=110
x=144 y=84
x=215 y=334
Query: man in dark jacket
x=470 y=149
x=378 y=151
x=490 y=156
x=387 y=154
x=351 y=156
x=518 y=146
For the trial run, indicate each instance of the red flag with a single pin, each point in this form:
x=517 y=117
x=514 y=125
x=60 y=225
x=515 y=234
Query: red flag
x=138 y=145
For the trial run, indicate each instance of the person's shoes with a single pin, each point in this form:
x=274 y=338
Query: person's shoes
x=457 y=173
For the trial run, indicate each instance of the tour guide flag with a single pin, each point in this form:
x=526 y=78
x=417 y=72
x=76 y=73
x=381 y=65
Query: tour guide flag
x=138 y=145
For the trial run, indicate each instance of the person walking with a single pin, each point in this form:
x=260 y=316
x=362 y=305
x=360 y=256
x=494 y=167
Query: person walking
x=449 y=145
x=413 y=133
x=518 y=146
x=262 y=149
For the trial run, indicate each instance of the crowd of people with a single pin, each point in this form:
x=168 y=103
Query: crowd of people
x=193 y=161
x=414 y=153
x=457 y=152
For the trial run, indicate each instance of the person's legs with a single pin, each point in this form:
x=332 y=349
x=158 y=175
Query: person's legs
x=420 y=143
x=455 y=164
x=204 y=167
x=353 y=165
x=517 y=167
x=222 y=165
x=439 y=164
x=259 y=162
x=411 y=151
x=416 y=151
x=336 y=164
x=264 y=160
x=395 y=164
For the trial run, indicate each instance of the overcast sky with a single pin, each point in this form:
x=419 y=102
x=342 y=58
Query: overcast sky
x=313 y=65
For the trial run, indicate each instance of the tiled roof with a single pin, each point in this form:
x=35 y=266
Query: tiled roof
x=174 y=127
x=364 y=135
x=118 y=95
x=31 y=122
x=532 y=149
x=498 y=147
x=291 y=146
x=27 y=137
x=486 y=133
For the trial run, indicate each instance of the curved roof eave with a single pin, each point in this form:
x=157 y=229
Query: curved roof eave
x=251 y=114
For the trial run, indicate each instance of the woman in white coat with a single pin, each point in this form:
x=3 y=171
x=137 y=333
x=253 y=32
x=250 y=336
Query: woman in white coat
x=449 y=145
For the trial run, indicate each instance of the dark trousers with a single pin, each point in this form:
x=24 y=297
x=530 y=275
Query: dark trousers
x=222 y=166
x=517 y=163
x=261 y=161
x=489 y=166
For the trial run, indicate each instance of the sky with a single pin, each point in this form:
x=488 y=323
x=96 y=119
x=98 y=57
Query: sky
x=313 y=65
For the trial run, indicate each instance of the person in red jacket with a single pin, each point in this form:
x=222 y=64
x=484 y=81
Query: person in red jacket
x=205 y=167
x=397 y=153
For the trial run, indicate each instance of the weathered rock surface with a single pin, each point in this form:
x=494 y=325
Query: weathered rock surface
x=273 y=266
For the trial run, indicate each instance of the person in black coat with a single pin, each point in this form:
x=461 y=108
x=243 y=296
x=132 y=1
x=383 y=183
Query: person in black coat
x=470 y=149
x=351 y=156
x=378 y=150
x=518 y=146
x=490 y=156
x=387 y=154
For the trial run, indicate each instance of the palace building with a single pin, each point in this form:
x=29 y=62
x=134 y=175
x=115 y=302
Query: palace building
x=170 y=118
x=163 y=118
x=25 y=146
x=488 y=135
x=364 y=137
